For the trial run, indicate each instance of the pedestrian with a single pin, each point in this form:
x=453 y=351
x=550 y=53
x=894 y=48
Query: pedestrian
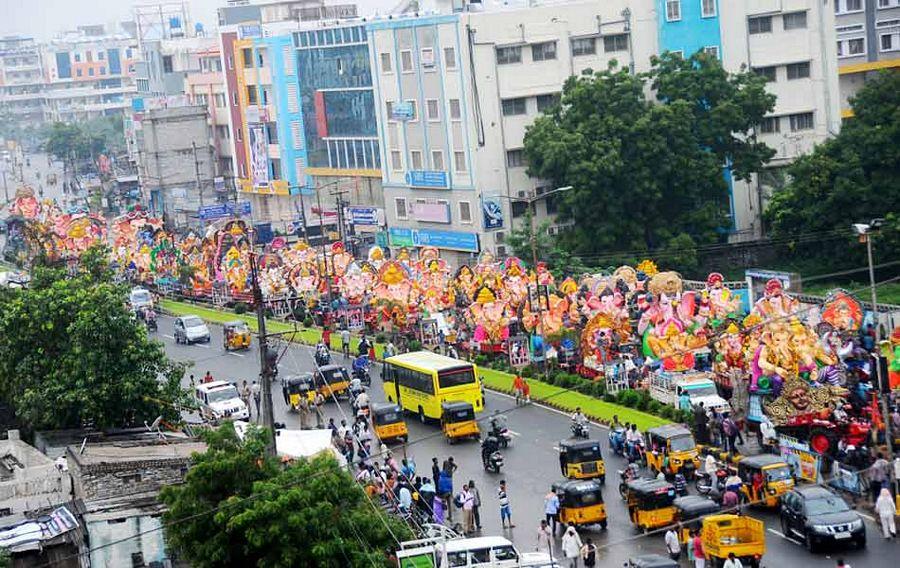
x=435 y=471
x=879 y=475
x=673 y=546
x=318 y=404
x=192 y=381
x=445 y=489
x=302 y=408
x=333 y=427
x=345 y=342
x=477 y=506
x=887 y=510
x=449 y=466
x=437 y=509
x=408 y=468
x=544 y=539
x=254 y=388
x=467 y=498
x=689 y=545
x=589 y=553
x=207 y=378
x=245 y=396
x=526 y=391
x=519 y=389
x=732 y=434
x=505 y=510
x=326 y=337
x=841 y=563
x=732 y=562
x=699 y=553
x=551 y=508
x=571 y=546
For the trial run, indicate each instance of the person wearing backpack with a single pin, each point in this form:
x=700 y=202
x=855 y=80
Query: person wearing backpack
x=732 y=433
x=589 y=553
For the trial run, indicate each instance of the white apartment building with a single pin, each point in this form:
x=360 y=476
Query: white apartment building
x=21 y=79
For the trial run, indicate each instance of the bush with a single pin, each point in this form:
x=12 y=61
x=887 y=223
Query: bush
x=666 y=412
x=381 y=338
x=609 y=397
x=654 y=407
x=415 y=345
x=241 y=308
x=528 y=372
x=628 y=398
x=599 y=389
x=481 y=359
x=308 y=322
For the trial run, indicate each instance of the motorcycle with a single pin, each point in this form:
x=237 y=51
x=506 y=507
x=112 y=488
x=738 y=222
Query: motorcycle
x=151 y=324
x=635 y=451
x=361 y=370
x=705 y=485
x=491 y=457
x=626 y=475
x=580 y=430
x=494 y=462
x=323 y=356
x=617 y=441
x=502 y=433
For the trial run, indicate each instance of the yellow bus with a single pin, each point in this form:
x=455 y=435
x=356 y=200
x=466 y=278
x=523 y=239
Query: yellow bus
x=420 y=381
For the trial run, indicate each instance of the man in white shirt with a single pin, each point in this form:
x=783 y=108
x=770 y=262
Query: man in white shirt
x=673 y=547
x=732 y=562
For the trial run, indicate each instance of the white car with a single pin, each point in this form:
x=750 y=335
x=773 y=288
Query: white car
x=219 y=400
x=140 y=298
x=190 y=329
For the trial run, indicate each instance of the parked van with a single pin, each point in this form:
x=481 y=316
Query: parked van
x=479 y=552
x=667 y=387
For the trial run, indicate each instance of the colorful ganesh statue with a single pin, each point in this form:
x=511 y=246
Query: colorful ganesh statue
x=601 y=338
x=775 y=303
x=488 y=315
x=890 y=350
x=718 y=299
x=393 y=292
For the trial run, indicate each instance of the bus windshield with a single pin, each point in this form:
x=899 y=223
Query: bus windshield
x=456 y=377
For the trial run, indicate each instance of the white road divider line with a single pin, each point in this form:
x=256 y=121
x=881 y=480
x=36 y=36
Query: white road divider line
x=782 y=535
x=169 y=337
x=544 y=406
x=235 y=354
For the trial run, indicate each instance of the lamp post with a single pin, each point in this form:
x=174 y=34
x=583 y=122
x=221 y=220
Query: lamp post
x=866 y=234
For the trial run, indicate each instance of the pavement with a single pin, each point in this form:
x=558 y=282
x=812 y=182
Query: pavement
x=531 y=463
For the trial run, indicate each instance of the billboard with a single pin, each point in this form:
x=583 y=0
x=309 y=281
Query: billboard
x=427 y=178
x=259 y=156
x=492 y=211
x=432 y=211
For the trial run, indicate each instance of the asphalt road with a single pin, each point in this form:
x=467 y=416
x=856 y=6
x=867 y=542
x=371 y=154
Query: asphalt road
x=531 y=464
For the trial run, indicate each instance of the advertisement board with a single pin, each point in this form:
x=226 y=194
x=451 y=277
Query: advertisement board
x=431 y=210
x=365 y=215
x=259 y=156
x=401 y=237
x=432 y=179
x=803 y=461
x=451 y=240
x=402 y=110
x=518 y=351
x=222 y=210
x=492 y=211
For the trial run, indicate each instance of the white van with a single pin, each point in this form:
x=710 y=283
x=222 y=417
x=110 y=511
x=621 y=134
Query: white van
x=218 y=401
x=479 y=552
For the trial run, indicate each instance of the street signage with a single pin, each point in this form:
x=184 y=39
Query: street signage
x=222 y=210
x=492 y=210
x=364 y=215
x=453 y=240
x=427 y=178
x=402 y=110
x=219 y=184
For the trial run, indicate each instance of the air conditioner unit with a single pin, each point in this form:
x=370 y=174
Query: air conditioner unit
x=523 y=194
x=501 y=252
x=553 y=231
x=499 y=237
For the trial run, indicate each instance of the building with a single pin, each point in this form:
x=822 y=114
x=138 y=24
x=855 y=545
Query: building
x=867 y=40
x=21 y=79
x=268 y=11
x=205 y=85
x=176 y=163
x=456 y=91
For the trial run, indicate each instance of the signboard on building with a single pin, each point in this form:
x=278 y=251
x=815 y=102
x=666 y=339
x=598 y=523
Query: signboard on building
x=178 y=193
x=246 y=31
x=222 y=210
x=432 y=210
x=401 y=237
x=402 y=110
x=365 y=216
x=427 y=178
x=219 y=184
x=492 y=211
x=452 y=240
x=259 y=156
x=803 y=461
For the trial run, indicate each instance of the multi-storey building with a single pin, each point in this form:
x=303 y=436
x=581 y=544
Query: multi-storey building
x=868 y=40
x=205 y=85
x=21 y=79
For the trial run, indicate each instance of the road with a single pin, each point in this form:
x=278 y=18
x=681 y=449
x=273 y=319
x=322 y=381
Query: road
x=531 y=463
x=35 y=174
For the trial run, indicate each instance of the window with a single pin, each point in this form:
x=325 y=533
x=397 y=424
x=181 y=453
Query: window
x=396 y=161
x=389 y=109
x=852 y=5
x=519 y=208
x=89 y=55
x=551 y=205
x=77 y=58
x=546 y=101
x=543 y=51
x=167 y=63
x=234 y=98
x=450 y=57
x=770 y=73
x=712 y=50
x=584 y=46
x=432 y=110
x=219 y=100
x=272 y=133
x=465 y=212
x=400 y=206
x=78 y=72
x=507 y=55
x=760 y=24
x=426 y=58
x=673 y=10
x=91 y=71
x=794 y=21
x=459 y=161
x=513 y=107
x=515 y=159
x=261 y=57
x=437 y=160
x=856 y=46
x=707 y=8
x=887 y=42
x=798 y=70
x=101 y=55
x=617 y=42
x=455 y=113
x=801 y=121
x=386 y=65
x=770 y=125
x=247 y=56
x=416 y=159
x=251 y=95
x=406 y=61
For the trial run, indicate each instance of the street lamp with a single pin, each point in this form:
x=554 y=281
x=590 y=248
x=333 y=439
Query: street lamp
x=866 y=233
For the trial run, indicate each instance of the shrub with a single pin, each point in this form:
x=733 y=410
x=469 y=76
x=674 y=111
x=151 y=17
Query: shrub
x=666 y=412
x=654 y=407
x=241 y=308
x=609 y=397
x=308 y=322
x=381 y=338
x=528 y=372
x=481 y=359
x=628 y=398
x=415 y=345
x=599 y=389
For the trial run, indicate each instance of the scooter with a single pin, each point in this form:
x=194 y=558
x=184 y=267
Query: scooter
x=580 y=430
x=705 y=485
x=323 y=356
x=617 y=441
x=151 y=324
x=361 y=370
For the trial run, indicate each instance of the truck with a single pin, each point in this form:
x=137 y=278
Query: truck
x=667 y=387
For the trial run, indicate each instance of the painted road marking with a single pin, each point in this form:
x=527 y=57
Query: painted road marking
x=235 y=354
x=513 y=432
x=545 y=407
x=871 y=518
x=169 y=337
x=779 y=533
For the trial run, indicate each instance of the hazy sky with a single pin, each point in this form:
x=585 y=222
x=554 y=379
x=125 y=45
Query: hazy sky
x=44 y=18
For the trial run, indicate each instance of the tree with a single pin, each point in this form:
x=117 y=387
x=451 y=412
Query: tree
x=71 y=353
x=645 y=172
x=238 y=507
x=853 y=177
x=85 y=140
x=560 y=261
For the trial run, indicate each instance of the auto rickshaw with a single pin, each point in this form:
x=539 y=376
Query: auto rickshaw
x=299 y=387
x=581 y=459
x=650 y=503
x=775 y=479
x=580 y=502
x=689 y=513
x=387 y=421
x=740 y=534
x=236 y=335
x=458 y=421
x=676 y=443
x=332 y=380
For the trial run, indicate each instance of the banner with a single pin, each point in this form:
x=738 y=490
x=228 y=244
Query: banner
x=259 y=156
x=803 y=461
x=518 y=351
x=492 y=211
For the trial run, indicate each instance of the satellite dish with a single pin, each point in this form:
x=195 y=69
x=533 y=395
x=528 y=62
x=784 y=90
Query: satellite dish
x=155 y=425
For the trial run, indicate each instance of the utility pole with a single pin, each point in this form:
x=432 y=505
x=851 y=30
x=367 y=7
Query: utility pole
x=322 y=240
x=266 y=362
x=197 y=173
x=5 y=186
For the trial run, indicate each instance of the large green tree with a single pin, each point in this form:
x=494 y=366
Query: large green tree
x=645 y=172
x=239 y=507
x=852 y=178
x=85 y=139
x=71 y=353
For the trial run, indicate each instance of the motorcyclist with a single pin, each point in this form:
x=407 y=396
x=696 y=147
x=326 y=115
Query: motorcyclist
x=497 y=423
x=632 y=470
x=362 y=401
x=356 y=387
x=615 y=422
x=488 y=446
x=579 y=421
x=633 y=438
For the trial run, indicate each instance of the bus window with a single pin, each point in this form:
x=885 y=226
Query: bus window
x=456 y=377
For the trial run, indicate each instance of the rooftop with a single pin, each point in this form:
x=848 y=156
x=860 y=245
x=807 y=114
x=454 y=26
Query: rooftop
x=119 y=452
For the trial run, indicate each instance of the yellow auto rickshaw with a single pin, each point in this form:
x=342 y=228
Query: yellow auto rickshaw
x=581 y=459
x=580 y=502
x=690 y=511
x=332 y=380
x=766 y=478
x=650 y=503
x=739 y=534
x=236 y=335
x=671 y=449
x=298 y=387
x=458 y=421
x=387 y=421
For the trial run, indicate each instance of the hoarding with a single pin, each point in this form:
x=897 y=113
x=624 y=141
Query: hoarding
x=259 y=156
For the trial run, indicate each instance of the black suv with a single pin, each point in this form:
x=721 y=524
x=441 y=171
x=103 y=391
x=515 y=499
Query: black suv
x=817 y=516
